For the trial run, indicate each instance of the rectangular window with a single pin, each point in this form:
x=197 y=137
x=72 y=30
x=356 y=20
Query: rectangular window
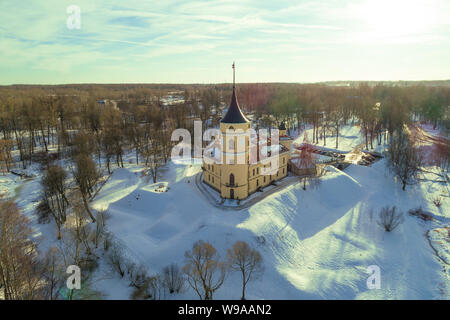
x=264 y=179
x=257 y=182
x=212 y=179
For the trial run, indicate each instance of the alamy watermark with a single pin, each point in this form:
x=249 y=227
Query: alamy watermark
x=236 y=146
x=74 y=280
x=74 y=19
x=374 y=280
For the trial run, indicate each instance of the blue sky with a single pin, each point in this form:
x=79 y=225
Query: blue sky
x=196 y=41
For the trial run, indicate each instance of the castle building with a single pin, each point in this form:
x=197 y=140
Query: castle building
x=285 y=140
x=242 y=170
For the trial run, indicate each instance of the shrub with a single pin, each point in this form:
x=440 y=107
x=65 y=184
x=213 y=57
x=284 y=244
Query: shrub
x=89 y=264
x=140 y=293
x=149 y=288
x=137 y=275
x=43 y=211
x=390 y=218
x=156 y=287
x=99 y=232
x=418 y=212
x=116 y=259
x=437 y=201
x=173 y=278
x=107 y=241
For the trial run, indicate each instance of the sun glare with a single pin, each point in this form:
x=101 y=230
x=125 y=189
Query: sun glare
x=384 y=18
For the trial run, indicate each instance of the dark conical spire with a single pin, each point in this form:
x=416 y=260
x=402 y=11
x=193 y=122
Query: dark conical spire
x=234 y=113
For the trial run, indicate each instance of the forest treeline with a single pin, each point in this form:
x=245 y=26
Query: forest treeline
x=119 y=118
x=95 y=125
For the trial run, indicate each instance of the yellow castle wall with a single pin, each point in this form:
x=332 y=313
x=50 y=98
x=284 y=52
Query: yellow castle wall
x=247 y=177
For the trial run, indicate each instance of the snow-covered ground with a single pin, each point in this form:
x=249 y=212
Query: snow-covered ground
x=434 y=132
x=316 y=244
x=349 y=138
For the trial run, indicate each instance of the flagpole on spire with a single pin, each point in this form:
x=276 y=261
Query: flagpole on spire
x=233 y=75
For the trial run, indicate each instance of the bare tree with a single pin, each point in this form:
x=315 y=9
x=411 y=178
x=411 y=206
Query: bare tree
x=242 y=258
x=157 y=287
x=390 y=218
x=83 y=144
x=99 y=231
x=81 y=229
x=116 y=259
x=55 y=186
x=20 y=270
x=403 y=160
x=6 y=159
x=53 y=274
x=204 y=270
x=86 y=176
x=73 y=251
x=173 y=278
x=154 y=153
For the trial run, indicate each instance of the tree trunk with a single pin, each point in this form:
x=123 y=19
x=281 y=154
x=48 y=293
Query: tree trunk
x=59 y=231
x=367 y=139
x=87 y=207
x=337 y=137
x=243 y=290
x=43 y=138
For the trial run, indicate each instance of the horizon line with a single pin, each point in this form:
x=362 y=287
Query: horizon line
x=211 y=83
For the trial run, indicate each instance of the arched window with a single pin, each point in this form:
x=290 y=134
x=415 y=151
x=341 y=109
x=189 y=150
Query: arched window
x=231 y=144
x=231 y=179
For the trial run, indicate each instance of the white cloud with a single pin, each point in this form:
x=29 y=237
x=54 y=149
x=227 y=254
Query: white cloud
x=149 y=34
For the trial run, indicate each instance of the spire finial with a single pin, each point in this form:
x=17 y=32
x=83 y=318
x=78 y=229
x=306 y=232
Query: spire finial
x=233 y=75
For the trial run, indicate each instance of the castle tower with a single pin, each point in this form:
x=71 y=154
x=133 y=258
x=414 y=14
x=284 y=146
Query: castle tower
x=235 y=150
x=238 y=174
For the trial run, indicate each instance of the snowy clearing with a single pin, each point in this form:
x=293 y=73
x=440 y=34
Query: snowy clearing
x=316 y=244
